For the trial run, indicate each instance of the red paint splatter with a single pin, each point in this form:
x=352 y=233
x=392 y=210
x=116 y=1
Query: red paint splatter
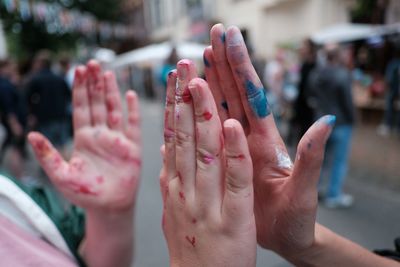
x=42 y=147
x=207 y=115
x=240 y=157
x=82 y=188
x=110 y=104
x=99 y=179
x=186 y=96
x=192 y=240
x=194 y=221
x=182 y=196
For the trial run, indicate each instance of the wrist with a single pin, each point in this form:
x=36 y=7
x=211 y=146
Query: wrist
x=307 y=256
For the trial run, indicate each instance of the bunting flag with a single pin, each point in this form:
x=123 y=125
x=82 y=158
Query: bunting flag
x=59 y=19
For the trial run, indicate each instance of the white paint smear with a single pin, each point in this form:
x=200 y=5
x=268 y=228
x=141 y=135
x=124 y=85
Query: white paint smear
x=283 y=159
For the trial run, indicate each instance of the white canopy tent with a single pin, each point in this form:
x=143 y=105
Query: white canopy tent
x=155 y=54
x=345 y=33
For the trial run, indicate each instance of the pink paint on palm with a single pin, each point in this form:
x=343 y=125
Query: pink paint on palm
x=208 y=159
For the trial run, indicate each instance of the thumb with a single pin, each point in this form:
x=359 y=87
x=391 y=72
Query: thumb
x=310 y=156
x=49 y=158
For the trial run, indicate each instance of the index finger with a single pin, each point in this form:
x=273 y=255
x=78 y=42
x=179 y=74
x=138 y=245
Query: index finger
x=252 y=92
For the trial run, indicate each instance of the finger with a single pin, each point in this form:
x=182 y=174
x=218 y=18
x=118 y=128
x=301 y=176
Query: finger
x=212 y=80
x=132 y=129
x=96 y=93
x=48 y=157
x=169 y=126
x=185 y=148
x=251 y=91
x=113 y=102
x=225 y=76
x=80 y=98
x=238 y=198
x=209 y=146
x=309 y=158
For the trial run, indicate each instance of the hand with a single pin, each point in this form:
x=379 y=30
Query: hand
x=103 y=173
x=285 y=194
x=206 y=180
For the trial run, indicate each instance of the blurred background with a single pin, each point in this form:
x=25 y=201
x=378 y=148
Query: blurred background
x=349 y=48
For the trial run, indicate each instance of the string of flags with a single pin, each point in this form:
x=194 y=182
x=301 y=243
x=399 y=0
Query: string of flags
x=59 y=19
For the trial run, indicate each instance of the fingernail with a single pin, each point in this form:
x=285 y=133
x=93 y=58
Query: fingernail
x=229 y=132
x=235 y=38
x=183 y=68
x=330 y=120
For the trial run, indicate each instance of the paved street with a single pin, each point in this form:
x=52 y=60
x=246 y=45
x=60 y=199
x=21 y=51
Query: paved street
x=372 y=222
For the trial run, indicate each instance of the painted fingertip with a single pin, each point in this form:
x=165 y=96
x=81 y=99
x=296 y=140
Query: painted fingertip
x=329 y=120
x=206 y=62
x=234 y=37
x=183 y=68
x=257 y=99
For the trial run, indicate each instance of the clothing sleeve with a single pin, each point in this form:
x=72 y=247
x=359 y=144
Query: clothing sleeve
x=7 y=103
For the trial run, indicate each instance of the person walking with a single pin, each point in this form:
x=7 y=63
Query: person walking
x=330 y=93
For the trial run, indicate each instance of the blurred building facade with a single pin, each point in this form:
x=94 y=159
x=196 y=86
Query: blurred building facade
x=267 y=23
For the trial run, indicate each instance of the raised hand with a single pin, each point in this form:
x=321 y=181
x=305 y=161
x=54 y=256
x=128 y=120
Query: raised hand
x=206 y=180
x=104 y=170
x=285 y=193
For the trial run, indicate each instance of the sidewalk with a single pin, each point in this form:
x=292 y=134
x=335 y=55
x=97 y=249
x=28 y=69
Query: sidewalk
x=375 y=159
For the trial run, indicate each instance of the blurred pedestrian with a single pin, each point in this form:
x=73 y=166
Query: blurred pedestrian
x=13 y=118
x=48 y=99
x=274 y=78
x=330 y=92
x=303 y=114
x=391 y=119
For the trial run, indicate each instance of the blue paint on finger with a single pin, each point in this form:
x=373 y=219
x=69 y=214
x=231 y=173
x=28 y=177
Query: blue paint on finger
x=225 y=105
x=257 y=99
x=223 y=37
x=206 y=62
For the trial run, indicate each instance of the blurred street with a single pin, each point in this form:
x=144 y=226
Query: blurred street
x=371 y=222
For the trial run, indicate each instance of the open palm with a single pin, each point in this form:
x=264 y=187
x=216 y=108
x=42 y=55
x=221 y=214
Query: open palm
x=104 y=169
